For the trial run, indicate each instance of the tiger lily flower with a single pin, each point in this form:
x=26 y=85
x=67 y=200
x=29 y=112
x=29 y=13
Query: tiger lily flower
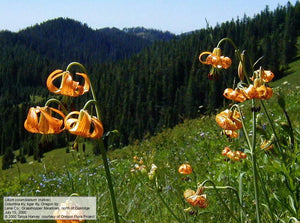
x=215 y=59
x=68 y=86
x=230 y=133
x=41 y=120
x=265 y=75
x=229 y=120
x=84 y=125
x=196 y=198
x=235 y=95
x=185 y=169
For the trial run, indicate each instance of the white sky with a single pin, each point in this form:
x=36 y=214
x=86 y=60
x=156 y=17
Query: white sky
x=176 y=16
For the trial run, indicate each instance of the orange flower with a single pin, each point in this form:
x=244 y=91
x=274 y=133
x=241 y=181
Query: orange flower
x=85 y=125
x=265 y=75
x=215 y=59
x=230 y=133
x=229 y=120
x=195 y=198
x=251 y=92
x=235 y=95
x=266 y=145
x=67 y=87
x=40 y=120
x=264 y=92
x=185 y=169
x=225 y=151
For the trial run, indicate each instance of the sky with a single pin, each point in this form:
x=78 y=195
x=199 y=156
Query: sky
x=176 y=16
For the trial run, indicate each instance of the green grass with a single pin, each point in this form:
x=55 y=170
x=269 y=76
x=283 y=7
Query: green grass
x=197 y=142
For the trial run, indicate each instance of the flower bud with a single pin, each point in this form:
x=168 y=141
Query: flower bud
x=240 y=67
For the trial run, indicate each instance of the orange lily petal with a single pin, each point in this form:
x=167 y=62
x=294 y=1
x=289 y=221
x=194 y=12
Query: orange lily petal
x=51 y=87
x=68 y=86
x=205 y=53
x=31 y=122
x=45 y=123
x=49 y=124
x=84 y=125
x=251 y=92
x=235 y=95
x=229 y=120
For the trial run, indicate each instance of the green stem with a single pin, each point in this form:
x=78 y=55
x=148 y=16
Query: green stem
x=254 y=165
x=272 y=126
x=57 y=102
x=243 y=126
x=109 y=180
x=221 y=199
x=102 y=146
x=237 y=51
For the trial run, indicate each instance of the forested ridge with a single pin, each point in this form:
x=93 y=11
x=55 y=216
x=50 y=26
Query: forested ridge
x=142 y=85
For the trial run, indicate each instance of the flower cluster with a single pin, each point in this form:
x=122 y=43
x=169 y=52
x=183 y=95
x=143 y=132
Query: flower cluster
x=139 y=166
x=233 y=155
x=257 y=90
x=48 y=120
x=196 y=198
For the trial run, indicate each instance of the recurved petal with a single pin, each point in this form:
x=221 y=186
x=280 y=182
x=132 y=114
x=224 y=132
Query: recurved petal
x=208 y=59
x=86 y=85
x=49 y=124
x=79 y=126
x=98 y=128
x=54 y=75
x=31 y=122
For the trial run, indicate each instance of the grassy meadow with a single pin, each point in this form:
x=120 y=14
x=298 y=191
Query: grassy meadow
x=199 y=142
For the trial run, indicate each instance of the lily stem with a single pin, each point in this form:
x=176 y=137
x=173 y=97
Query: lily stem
x=254 y=164
x=102 y=147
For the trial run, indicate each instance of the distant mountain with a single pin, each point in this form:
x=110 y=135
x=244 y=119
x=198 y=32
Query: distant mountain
x=66 y=40
x=150 y=34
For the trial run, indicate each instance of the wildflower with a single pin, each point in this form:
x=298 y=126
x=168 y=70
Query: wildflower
x=196 y=198
x=225 y=151
x=41 y=120
x=85 y=125
x=266 y=145
x=235 y=95
x=68 y=86
x=185 y=169
x=229 y=120
x=152 y=171
x=251 y=92
x=265 y=75
x=264 y=92
x=230 y=133
x=215 y=59
x=233 y=155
